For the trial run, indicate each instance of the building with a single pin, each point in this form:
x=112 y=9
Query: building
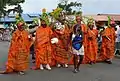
x=7 y=20
x=102 y=19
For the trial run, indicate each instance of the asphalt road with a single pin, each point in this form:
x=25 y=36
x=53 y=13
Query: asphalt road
x=97 y=72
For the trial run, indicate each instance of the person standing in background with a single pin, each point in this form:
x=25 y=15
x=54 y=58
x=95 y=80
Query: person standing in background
x=117 y=50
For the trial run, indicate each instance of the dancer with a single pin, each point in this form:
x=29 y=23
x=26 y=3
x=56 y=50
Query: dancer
x=78 y=47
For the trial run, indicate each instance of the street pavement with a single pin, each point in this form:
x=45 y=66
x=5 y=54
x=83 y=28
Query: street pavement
x=97 y=72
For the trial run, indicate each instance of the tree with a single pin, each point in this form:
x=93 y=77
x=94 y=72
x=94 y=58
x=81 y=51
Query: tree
x=15 y=2
x=17 y=9
x=3 y=7
x=4 y=3
x=70 y=8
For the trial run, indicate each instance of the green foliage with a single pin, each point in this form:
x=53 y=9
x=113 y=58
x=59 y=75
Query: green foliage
x=3 y=7
x=35 y=21
x=17 y=9
x=56 y=13
x=69 y=7
x=44 y=17
x=4 y=3
x=19 y=19
x=90 y=21
x=109 y=19
x=15 y=2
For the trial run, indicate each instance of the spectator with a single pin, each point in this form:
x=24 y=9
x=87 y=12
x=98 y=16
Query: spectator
x=117 y=51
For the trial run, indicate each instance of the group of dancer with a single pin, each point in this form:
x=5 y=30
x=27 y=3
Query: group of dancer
x=61 y=46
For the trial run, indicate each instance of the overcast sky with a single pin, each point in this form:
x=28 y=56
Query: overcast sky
x=88 y=6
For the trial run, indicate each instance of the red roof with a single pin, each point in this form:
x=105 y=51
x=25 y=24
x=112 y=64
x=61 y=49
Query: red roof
x=104 y=17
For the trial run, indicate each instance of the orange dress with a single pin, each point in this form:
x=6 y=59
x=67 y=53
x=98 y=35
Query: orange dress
x=43 y=48
x=108 y=44
x=61 y=49
x=18 y=56
x=92 y=46
x=85 y=41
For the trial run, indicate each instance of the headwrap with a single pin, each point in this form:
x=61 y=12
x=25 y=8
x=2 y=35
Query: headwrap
x=19 y=19
x=56 y=13
x=44 y=16
x=90 y=21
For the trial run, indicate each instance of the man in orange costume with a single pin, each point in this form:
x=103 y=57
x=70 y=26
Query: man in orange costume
x=108 y=44
x=92 y=44
x=18 y=57
x=61 y=48
x=43 y=46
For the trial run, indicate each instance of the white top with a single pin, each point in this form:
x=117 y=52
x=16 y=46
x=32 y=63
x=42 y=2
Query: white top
x=80 y=51
x=73 y=36
x=118 y=35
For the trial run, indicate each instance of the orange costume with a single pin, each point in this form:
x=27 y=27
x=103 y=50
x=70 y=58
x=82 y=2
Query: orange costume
x=43 y=46
x=85 y=30
x=18 y=57
x=108 y=44
x=92 y=46
x=61 y=48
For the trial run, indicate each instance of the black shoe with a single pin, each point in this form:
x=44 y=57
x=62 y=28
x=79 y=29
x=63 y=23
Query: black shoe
x=75 y=71
x=109 y=62
x=117 y=52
